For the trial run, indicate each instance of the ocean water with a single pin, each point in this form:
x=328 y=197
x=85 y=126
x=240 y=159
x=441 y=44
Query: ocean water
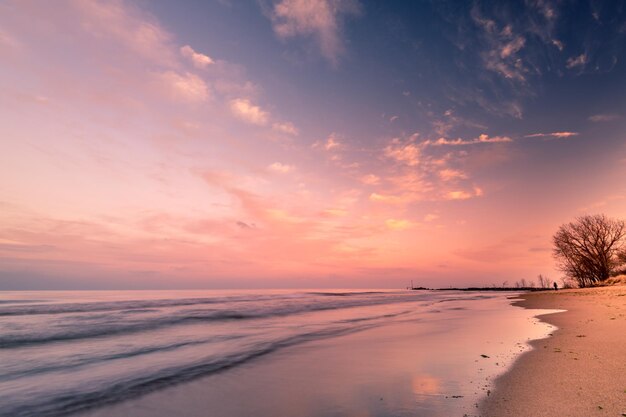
x=63 y=353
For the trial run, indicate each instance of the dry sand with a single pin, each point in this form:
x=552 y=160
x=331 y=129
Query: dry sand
x=580 y=370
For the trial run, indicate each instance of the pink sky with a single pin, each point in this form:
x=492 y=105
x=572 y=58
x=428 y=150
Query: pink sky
x=132 y=158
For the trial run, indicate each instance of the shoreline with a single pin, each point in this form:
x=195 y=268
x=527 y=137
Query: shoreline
x=580 y=370
x=409 y=366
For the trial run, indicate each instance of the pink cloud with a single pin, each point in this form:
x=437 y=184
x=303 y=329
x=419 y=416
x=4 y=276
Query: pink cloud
x=406 y=153
x=187 y=86
x=280 y=168
x=199 y=60
x=399 y=224
x=370 y=179
x=121 y=22
x=448 y=174
x=331 y=143
x=319 y=19
x=285 y=127
x=464 y=194
x=248 y=112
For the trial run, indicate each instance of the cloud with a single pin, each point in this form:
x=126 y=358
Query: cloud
x=245 y=225
x=248 y=112
x=280 y=168
x=406 y=153
x=385 y=198
x=502 y=48
x=558 y=135
x=464 y=194
x=334 y=212
x=285 y=127
x=431 y=217
x=398 y=224
x=370 y=179
x=483 y=138
x=546 y=9
x=596 y=118
x=186 y=86
x=512 y=47
x=199 y=60
x=127 y=24
x=451 y=174
x=320 y=19
x=329 y=144
x=577 y=61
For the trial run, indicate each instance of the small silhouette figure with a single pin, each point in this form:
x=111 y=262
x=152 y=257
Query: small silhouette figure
x=556 y=287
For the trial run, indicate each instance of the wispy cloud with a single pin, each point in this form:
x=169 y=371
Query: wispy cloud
x=406 y=153
x=557 y=135
x=280 y=168
x=399 y=224
x=464 y=194
x=319 y=19
x=483 y=138
x=185 y=86
x=503 y=46
x=608 y=117
x=448 y=174
x=285 y=127
x=370 y=179
x=577 y=61
x=330 y=144
x=431 y=217
x=124 y=23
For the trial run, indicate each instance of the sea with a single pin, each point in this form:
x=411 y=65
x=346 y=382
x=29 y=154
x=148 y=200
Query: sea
x=256 y=353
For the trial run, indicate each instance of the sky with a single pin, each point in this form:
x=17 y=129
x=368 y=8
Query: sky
x=303 y=144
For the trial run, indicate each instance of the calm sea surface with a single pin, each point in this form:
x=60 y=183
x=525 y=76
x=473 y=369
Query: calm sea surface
x=77 y=352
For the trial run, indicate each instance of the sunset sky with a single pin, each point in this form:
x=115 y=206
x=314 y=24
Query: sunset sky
x=295 y=143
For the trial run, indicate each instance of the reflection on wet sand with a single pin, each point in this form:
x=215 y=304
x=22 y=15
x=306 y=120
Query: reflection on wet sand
x=419 y=364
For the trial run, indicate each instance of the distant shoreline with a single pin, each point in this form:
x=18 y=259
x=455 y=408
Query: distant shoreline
x=579 y=371
x=509 y=289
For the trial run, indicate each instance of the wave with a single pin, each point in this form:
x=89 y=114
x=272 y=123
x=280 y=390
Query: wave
x=120 y=390
x=64 y=308
x=77 y=362
x=111 y=325
x=344 y=294
x=100 y=330
x=36 y=309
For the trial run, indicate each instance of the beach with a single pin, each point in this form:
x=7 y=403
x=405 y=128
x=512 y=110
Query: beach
x=578 y=371
x=313 y=353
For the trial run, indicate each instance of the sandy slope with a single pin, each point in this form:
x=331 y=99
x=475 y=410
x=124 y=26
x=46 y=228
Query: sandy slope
x=580 y=370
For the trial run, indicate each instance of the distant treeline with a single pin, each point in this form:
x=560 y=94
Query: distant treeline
x=493 y=289
x=481 y=289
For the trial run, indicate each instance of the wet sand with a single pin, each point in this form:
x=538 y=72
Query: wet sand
x=434 y=362
x=580 y=370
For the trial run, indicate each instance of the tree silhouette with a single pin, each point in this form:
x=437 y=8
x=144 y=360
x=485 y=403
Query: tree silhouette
x=587 y=249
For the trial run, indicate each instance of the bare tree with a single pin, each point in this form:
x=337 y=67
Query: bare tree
x=544 y=282
x=587 y=249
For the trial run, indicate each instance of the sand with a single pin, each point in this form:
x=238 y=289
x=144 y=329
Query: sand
x=580 y=370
